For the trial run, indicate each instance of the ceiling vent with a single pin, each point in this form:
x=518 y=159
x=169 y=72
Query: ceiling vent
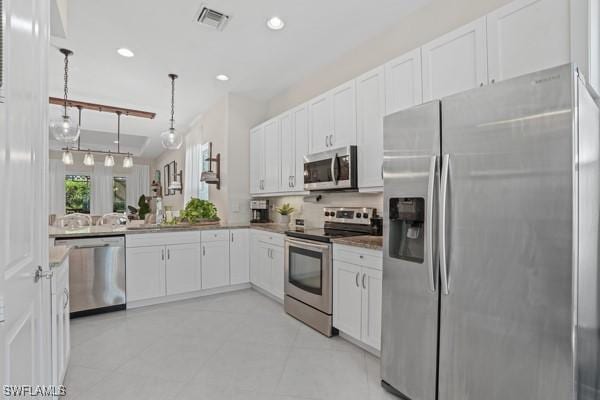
x=212 y=18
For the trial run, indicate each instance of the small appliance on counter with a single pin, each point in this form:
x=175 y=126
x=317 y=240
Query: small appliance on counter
x=308 y=283
x=260 y=211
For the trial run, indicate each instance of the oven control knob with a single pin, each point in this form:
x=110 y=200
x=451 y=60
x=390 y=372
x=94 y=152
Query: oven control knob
x=327 y=213
x=365 y=215
x=357 y=215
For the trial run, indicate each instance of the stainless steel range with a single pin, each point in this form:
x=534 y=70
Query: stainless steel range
x=309 y=264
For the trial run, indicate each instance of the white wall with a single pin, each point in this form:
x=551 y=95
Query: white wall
x=411 y=31
x=226 y=124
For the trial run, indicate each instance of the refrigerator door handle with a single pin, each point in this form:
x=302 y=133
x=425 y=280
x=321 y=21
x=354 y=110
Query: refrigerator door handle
x=430 y=195
x=442 y=226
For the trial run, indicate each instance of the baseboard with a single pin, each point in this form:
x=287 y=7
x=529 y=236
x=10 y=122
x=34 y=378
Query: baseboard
x=360 y=344
x=268 y=294
x=186 y=296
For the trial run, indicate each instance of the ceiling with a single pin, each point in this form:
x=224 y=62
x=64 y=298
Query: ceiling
x=165 y=38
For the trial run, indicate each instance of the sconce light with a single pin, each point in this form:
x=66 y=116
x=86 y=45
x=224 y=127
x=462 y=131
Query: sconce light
x=210 y=177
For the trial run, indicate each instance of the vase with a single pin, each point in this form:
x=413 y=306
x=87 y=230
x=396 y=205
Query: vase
x=285 y=219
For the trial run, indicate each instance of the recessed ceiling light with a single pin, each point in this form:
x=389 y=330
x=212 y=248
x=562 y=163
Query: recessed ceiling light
x=222 y=77
x=275 y=23
x=125 y=52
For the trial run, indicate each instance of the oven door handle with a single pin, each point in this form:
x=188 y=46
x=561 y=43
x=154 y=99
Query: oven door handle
x=307 y=245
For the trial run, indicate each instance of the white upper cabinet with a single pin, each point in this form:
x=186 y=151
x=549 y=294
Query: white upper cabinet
x=370 y=110
x=527 y=36
x=343 y=102
x=272 y=156
x=257 y=159
x=403 y=82
x=320 y=123
x=288 y=152
x=300 y=128
x=332 y=118
x=455 y=62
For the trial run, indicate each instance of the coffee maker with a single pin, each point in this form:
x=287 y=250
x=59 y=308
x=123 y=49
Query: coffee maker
x=259 y=210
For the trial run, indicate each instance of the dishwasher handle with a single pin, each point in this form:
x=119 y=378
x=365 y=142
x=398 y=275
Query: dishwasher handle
x=91 y=246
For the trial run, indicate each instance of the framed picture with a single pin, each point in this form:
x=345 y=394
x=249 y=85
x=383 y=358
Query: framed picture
x=166 y=180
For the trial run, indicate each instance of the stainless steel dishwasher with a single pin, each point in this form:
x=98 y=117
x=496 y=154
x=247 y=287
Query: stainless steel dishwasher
x=96 y=274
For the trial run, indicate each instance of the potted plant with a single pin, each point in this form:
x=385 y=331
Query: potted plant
x=198 y=211
x=285 y=211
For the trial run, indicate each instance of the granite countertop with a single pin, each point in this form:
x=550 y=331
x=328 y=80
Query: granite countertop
x=271 y=227
x=366 y=242
x=58 y=254
x=55 y=232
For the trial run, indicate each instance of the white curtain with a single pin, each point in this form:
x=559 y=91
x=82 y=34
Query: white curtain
x=101 y=201
x=138 y=183
x=193 y=169
x=56 y=188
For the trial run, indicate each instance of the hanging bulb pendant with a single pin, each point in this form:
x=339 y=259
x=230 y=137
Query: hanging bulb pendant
x=171 y=139
x=64 y=129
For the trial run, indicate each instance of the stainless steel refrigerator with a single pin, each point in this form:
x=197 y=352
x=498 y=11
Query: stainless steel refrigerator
x=490 y=278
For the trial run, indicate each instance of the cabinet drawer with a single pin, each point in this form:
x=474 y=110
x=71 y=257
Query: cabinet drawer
x=215 y=235
x=162 y=238
x=358 y=256
x=274 y=239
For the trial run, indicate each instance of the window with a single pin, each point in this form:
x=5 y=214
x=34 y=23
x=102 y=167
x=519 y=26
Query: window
x=119 y=194
x=77 y=194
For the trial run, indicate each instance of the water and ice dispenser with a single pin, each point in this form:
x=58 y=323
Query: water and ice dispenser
x=407 y=222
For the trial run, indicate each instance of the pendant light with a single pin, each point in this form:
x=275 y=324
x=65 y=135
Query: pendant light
x=170 y=139
x=88 y=159
x=67 y=157
x=128 y=161
x=63 y=129
x=109 y=160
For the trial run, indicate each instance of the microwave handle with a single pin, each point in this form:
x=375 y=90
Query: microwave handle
x=334 y=173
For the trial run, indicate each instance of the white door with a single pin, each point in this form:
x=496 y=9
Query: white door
x=215 y=264
x=371 y=283
x=455 y=62
x=347 y=297
x=277 y=271
x=527 y=36
x=370 y=110
x=343 y=106
x=239 y=263
x=300 y=127
x=257 y=160
x=288 y=152
x=145 y=272
x=25 y=332
x=183 y=268
x=263 y=270
x=319 y=125
x=403 y=82
x=272 y=156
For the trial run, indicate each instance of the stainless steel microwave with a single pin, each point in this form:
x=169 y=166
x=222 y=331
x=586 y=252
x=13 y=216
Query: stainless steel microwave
x=331 y=170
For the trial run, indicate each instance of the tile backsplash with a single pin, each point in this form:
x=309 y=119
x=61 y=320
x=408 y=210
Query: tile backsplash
x=312 y=211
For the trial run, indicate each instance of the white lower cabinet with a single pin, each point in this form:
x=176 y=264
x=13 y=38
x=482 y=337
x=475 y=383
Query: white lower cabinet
x=167 y=264
x=357 y=288
x=145 y=276
x=61 y=322
x=182 y=268
x=215 y=264
x=239 y=263
x=268 y=263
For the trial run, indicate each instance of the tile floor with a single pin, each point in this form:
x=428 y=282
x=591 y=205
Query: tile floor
x=233 y=346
